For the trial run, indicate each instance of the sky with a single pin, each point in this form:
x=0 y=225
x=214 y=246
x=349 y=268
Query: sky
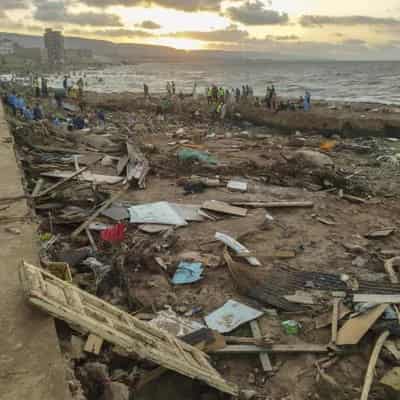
x=341 y=29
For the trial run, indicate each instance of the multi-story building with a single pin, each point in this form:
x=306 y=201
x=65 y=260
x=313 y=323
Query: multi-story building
x=54 y=43
x=7 y=47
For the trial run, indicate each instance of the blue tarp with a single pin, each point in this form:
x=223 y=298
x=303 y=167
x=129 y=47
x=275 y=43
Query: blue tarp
x=188 y=272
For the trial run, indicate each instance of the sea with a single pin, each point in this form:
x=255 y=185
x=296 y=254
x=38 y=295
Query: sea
x=376 y=82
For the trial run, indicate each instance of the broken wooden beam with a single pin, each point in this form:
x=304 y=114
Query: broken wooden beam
x=264 y=358
x=369 y=376
x=106 y=205
x=273 y=204
x=224 y=208
x=274 y=348
x=377 y=298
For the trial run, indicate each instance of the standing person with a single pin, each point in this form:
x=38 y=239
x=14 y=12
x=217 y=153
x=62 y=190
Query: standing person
x=214 y=92
x=307 y=101
x=81 y=86
x=36 y=86
x=173 y=87
x=268 y=97
x=168 y=88
x=101 y=118
x=237 y=95
x=146 y=91
x=194 y=89
x=65 y=84
x=209 y=95
x=45 y=90
x=273 y=98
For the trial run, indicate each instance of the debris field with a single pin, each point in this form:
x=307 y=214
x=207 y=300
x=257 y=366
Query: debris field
x=189 y=257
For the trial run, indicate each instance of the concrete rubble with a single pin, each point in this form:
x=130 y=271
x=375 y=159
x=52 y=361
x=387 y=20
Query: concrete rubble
x=291 y=230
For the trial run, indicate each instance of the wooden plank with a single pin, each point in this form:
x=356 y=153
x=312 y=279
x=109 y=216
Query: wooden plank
x=335 y=317
x=106 y=205
x=354 y=329
x=273 y=204
x=64 y=180
x=225 y=208
x=300 y=298
x=369 y=376
x=264 y=358
x=377 y=298
x=93 y=344
x=275 y=348
x=38 y=187
x=138 y=339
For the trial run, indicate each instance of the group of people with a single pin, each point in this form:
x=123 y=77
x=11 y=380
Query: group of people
x=74 y=90
x=19 y=106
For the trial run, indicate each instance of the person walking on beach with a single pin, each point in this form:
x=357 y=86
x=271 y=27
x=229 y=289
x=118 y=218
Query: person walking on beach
x=273 y=105
x=45 y=90
x=36 y=86
x=146 y=91
x=81 y=85
x=307 y=101
x=237 y=95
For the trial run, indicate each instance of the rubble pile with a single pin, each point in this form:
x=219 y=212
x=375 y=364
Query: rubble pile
x=217 y=250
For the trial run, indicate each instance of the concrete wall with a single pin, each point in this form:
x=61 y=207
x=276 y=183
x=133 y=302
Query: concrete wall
x=31 y=365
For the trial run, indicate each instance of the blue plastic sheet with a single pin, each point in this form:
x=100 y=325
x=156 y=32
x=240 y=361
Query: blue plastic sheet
x=188 y=272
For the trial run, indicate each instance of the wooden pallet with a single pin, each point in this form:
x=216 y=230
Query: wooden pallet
x=90 y=315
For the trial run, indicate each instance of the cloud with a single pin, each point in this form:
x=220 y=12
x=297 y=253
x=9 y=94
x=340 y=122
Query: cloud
x=56 y=11
x=312 y=21
x=231 y=34
x=127 y=33
x=255 y=13
x=282 y=38
x=148 y=25
x=13 y=4
x=183 y=5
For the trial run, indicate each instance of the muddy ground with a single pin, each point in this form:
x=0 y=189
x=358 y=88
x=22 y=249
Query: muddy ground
x=330 y=237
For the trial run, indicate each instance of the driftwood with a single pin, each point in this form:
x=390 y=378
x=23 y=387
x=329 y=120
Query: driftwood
x=369 y=376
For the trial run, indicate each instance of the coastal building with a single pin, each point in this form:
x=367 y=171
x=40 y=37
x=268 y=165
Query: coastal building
x=7 y=47
x=79 y=56
x=54 y=43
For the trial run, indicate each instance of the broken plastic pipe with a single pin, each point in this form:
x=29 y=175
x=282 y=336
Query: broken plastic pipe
x=238 y=248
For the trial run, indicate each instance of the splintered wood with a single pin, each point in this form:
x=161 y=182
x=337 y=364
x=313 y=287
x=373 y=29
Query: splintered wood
x=91 y=315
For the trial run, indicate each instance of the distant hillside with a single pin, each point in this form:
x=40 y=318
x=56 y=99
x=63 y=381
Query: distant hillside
x=125 y=52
